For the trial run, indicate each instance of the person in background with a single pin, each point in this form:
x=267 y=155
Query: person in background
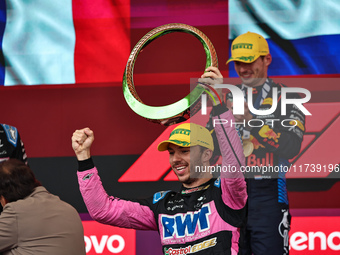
x=270 y=144
x=11 y=145
x=33 y=220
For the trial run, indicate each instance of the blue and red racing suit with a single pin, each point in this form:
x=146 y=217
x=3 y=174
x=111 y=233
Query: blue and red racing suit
x=200 y=220
x=276 y=141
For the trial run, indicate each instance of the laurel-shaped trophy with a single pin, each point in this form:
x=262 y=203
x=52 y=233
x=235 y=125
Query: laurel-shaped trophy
x=182 y=109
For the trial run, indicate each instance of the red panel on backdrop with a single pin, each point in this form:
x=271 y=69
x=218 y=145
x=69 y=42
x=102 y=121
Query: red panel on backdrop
x=143 y=169
x=320 y=199
x=47 y=117
x=312 y=162
x=315 y=164
x=102 y=39
x=105 y=239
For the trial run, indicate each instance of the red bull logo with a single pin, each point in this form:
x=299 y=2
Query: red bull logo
x=256 y=143
x=269 y=133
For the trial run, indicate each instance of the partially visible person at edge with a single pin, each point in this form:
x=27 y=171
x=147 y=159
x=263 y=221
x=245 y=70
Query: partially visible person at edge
x=11 y=145
x=271 y=144
x=204 y=217
x=33 y=220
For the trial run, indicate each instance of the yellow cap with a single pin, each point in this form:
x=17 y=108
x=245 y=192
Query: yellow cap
x=188 y=134
x=248 y=47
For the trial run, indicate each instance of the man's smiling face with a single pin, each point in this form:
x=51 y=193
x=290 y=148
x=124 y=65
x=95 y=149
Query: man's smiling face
x=183 y=160
x=255 y=73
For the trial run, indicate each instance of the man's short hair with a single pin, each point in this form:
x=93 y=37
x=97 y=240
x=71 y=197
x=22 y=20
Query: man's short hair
x=17 y=180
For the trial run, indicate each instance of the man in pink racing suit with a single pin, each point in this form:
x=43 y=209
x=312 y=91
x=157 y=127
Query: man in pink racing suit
x=204 y=217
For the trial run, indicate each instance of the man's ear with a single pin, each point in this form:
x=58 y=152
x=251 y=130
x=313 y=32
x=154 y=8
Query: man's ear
x=3 y=201
x=206 y=155
x=267 y=59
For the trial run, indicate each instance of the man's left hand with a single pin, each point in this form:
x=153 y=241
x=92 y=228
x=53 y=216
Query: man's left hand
x=212 y=76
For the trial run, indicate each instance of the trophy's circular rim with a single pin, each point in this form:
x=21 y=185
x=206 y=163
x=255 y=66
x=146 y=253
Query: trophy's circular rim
x=180 y=110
